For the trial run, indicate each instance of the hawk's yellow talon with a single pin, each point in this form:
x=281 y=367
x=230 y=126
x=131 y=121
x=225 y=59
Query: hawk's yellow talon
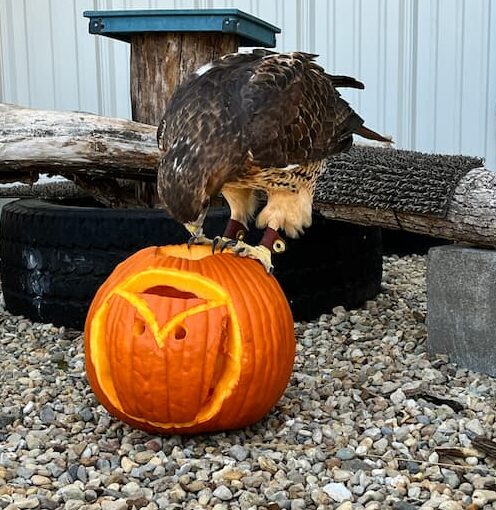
x=260 y=253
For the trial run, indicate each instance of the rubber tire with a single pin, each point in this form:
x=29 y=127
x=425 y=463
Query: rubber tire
x=55 y=254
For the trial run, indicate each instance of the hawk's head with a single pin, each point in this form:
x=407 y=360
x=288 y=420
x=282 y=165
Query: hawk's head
x=183 y=186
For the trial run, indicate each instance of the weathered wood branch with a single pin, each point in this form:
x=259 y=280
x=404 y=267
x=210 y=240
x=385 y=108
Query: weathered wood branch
x=65 y=143
x=471 y=216
x=100 y=150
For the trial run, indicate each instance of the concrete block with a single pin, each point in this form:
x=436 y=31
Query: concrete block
x=461 y=306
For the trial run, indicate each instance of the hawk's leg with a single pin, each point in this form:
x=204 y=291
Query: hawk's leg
x=242 y=203
x=290 y=211
x=271 y=243
x=286 y=210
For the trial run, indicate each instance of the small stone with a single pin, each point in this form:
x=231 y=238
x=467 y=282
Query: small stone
x=27 y=503
x=341 y=475
x=118 y=504
x=298 y=504
x=223 y=493
x=267 y=464
x=403 y=505
x=475 y=427
x=86 y=414
x=144 y=457
x=41 y=480
x=204 y=496
x=374 y=433
x=356 y=465
x=482 y=497
x=137 y=502
x=154 y=444
x=7 y=418
x=347 y=505
x=240 y=453
x=413 y=467
x=127 y=464
x=337 y=491
x=466 y=488
x=47 y=415
x=450 y=478
x=177 y=494
x=345 y=454
x=71 y=492
x=131 y=488
x=195 y=486
x=35 y=440
x=74 y=504
x=397 y=397
x=47 y=503
x=450 y=505
x=90 y=495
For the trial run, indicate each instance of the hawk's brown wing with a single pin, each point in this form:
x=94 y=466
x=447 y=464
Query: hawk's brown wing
x=294 y=114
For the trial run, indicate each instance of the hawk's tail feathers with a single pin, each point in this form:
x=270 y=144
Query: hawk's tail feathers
x=365 y=132
x=346 y=82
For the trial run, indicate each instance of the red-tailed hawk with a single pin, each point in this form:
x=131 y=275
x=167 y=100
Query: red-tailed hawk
x=250 y=123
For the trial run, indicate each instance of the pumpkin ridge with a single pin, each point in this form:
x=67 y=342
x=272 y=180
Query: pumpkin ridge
x=250 y=282
x=231 y=263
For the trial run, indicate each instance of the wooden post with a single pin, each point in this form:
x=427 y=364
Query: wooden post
x=159 y=63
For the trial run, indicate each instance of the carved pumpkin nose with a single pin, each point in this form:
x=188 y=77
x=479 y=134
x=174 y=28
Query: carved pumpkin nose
x=179 y=340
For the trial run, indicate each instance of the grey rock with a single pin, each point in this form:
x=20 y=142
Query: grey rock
x=298 y=504
x=71 y=492
x=7 y=418
x=119 y=504
x=47 y=414
x=356 y=465
x=413 y=467
x=345 y=454
x=337 y=492
x=223 y=493
x=90 y=495
x=240 y=453
x=451 y=478
x=404 y=505
x=47 y=503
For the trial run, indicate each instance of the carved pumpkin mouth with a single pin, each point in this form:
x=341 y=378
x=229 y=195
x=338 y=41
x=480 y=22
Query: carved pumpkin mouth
x=168 y=291
x=186 y=302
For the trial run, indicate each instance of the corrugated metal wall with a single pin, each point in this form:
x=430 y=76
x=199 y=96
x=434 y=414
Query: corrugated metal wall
x=429 y=65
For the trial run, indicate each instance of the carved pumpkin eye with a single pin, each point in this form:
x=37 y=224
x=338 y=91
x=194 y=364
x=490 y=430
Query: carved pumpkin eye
x=178 y=340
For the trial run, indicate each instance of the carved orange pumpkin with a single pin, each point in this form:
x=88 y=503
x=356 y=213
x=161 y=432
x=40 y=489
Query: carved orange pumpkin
x=178 y=340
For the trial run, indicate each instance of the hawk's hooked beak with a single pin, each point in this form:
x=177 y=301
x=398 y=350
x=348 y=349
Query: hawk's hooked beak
x=195 y=228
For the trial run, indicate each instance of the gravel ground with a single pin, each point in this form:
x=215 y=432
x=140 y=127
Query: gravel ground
x=366 y=422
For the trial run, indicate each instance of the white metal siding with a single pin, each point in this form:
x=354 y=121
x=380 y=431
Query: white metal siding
x=428 y=65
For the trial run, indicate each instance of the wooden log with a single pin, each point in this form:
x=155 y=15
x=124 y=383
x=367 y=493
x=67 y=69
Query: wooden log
x=471 y=216
x=161 y=61
x=65 y=143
